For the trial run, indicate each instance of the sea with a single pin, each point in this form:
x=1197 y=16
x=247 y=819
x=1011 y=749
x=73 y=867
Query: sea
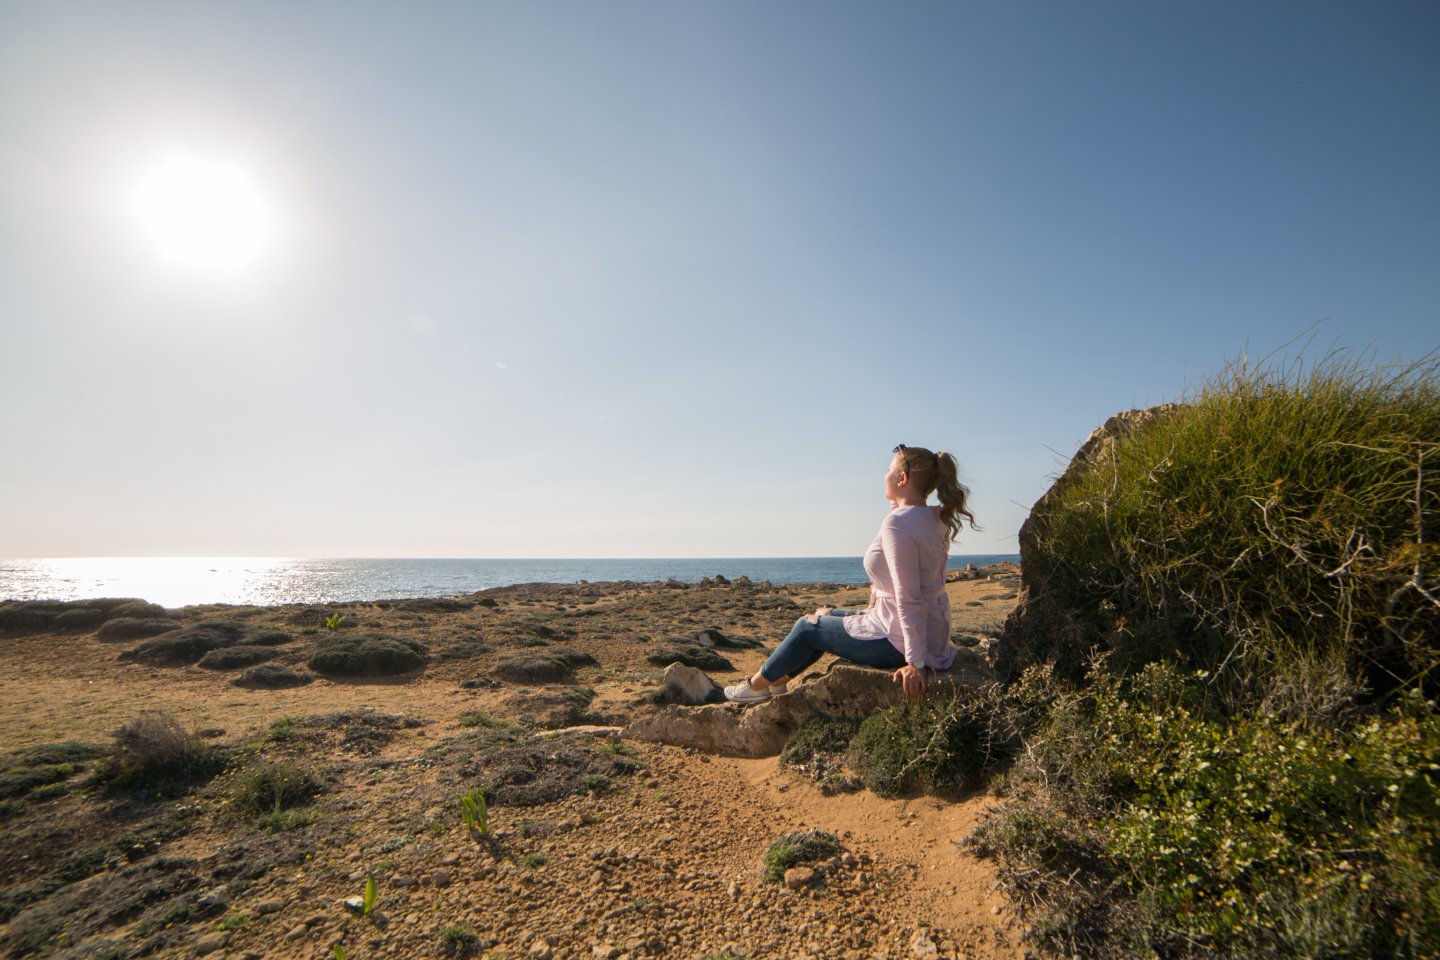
x=267 y=581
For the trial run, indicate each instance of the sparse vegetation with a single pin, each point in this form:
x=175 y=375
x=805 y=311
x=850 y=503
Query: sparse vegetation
x=533 y=669
x=796 y=848
x=458 y=940
x=154 y=752
x=271 y=787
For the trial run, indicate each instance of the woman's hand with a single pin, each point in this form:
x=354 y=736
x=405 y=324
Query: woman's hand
x=912 y=679
x=819 y=612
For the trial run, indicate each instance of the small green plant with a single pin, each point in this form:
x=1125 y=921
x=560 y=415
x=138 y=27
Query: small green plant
x=270 y=787
x=372 y=893
x=619 y=748
x=458 y=939
x=309 y=631
x=333 y=621
x=436 y=828
x=339 y=951
x=473 y=809
x=793 y=848
x=282 y=821
x=233 y=921
x=597 y=782
x=532 y=860
x=282 y=730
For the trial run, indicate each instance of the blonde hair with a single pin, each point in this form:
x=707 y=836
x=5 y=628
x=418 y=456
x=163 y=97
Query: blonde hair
x=938 y=472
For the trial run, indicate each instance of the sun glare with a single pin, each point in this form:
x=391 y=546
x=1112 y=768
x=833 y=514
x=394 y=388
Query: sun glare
x=202 y=215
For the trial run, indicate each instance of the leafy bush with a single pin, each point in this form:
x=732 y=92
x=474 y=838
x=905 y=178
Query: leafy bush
x=483 y=720
x=131 y=628
x=231 y=658
x=272 y=787
x=1278 y=517
x=184 y=646
x=795 y=848
x=272 y=676
x=692 y=655
x=533 y=669
x=939 y=742
x=1224 y=836
x=80 y=618
x=819 y=734
x=29 y=615
x=367 y=655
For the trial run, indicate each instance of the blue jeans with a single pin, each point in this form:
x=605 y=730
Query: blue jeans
x=809 y=641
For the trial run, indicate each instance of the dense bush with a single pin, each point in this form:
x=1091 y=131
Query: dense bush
x=367 y=655
x=129 y=628
x=181 y=646
x=690 y=654
x=796 y=848
x=272 y=676
x=233 y=658
x=533 y=669
x=939 y=742
x=1150 y=823
x=1276 y=518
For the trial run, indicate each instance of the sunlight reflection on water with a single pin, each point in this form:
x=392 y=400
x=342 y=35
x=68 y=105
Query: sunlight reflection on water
x=263 y=581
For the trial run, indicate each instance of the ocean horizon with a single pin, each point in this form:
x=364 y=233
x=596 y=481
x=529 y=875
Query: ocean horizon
x=269 y=581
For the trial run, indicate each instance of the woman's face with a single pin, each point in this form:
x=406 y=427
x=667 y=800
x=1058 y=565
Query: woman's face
x=894 y=477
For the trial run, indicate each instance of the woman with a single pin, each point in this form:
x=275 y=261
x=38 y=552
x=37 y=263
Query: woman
x=906 y=627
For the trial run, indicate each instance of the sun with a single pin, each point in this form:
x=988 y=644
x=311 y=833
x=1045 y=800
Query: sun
x=202 y=215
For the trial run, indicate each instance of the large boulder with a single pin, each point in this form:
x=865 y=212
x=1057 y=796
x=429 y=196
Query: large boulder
x=688 y=686
x=845 y=690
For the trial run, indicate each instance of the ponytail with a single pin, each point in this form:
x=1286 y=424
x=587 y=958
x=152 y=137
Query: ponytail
x=953 y=495
x=938 y=472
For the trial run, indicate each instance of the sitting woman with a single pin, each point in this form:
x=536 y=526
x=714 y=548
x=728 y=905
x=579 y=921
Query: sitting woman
x=908 y=609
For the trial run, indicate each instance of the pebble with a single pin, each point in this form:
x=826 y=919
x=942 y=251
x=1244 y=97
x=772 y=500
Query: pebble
x=298 y=932
x=922 y=946
x=218 y=897
x=540 y=950
x=605 y=952
x=408 y=882
x=269 y=906
x=442 y=878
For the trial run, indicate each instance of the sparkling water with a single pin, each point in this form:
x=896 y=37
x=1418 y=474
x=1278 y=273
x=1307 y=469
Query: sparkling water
x=263 y=581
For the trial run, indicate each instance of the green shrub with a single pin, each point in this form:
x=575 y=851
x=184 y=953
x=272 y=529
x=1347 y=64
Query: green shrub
x=819 y=734
x=80 y=618
x=533 y=669
x=794 y=848
x=532 y=861
x=130 y=628
x=182 y=646
x=939 y=742
x=269 y=638
x=1241 y=836
x=271 y=787
x=458 y=939
x=272 y=676
x=231 y=658
x=1277 y=517
x=367 y=655
x=692 y=655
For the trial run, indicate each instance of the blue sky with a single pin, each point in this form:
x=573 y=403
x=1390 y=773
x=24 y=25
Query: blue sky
x=656 y=279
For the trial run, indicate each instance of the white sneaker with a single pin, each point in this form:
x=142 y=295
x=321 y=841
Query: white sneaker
x=744 y=693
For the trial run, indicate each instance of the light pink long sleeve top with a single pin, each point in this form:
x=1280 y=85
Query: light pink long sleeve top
x=908 y=603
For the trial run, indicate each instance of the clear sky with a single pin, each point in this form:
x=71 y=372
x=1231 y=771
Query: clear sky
x=613 y=279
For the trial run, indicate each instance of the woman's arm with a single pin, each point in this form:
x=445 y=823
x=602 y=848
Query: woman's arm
x=902 y=556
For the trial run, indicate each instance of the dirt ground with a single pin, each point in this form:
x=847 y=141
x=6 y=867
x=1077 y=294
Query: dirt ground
x=661 y=856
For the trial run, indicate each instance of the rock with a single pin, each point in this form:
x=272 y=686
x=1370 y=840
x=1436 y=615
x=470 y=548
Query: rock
x=442 y=878
x=297 y=932
x=218 y=897
x=408 y=882
x=269 y=906
x=354 y=903
x=540 y=950
x=797 y=877
x=845 y=690
x=605 y=952
x=210 y=943
x=689 y=686
x=922 y=945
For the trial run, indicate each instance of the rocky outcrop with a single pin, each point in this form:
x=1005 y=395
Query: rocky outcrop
x=1031 y=615
x=845 y=690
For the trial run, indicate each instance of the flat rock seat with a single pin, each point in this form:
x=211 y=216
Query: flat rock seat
x=844 y=690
